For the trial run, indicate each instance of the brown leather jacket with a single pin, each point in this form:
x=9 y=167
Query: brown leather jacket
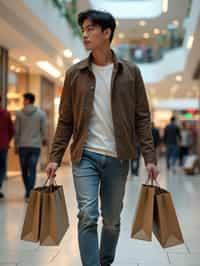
x=130 y=112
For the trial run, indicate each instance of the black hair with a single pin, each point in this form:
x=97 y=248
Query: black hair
x=173 y=119
x=103 y=19
x=29 y=96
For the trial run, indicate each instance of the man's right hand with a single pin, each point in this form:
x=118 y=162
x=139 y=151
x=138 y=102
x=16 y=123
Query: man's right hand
x=51 y=171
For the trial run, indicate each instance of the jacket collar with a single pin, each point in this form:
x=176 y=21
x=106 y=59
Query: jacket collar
x=87 y=63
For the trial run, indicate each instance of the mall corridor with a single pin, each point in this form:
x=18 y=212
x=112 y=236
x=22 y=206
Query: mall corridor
x=108 y=80
x=130 y=252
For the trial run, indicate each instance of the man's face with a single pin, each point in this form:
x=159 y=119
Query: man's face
x=26 y=102
x=93 y=36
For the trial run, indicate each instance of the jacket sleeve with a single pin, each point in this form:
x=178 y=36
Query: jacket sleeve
x=65 y=123
x=143 y=121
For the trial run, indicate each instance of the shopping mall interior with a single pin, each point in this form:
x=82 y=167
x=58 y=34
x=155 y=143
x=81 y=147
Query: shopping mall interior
x=39 y=41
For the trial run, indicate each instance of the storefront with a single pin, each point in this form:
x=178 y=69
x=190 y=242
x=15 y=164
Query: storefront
x=17 y=85
x=3 y=74
x=18 y=80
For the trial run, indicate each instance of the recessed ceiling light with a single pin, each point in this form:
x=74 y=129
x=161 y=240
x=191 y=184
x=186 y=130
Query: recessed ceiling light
x=75 y=60
x=49 y=68
x=176 y=22
x=12 y=67
x=67 y=53
x=142 y=23
x=22 y=58
x=190 y=42
x=165 y=6
x=179 y=78
x=121 y=35
x=57 y=101
x=156 y=31
x=146 y=35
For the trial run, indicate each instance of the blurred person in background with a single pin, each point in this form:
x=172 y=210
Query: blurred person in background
x=31 y=133
x=104 y=106
x=135 y=164
x=185 y=143
x=193 y=129
x=6 y=134
x=156 y=136
x=172 y=138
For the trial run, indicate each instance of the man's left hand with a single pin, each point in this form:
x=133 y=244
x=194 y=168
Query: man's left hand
x=152 y=171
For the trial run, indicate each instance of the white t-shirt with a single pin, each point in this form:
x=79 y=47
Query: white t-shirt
x=185 y=138
x=100 y=132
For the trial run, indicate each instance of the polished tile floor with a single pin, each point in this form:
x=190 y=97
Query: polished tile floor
x=186 y=196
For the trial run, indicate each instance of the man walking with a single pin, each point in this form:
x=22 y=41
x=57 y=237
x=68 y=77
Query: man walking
x=172 y=138
x=104 y=106
x=31 y=133
x=6 y=134
x=185 y=143
x=156 y=136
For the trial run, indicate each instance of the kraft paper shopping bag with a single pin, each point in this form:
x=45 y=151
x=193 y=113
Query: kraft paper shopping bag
x=143 y=220
x=54 y=217
x=31 y=226
x=166 y=226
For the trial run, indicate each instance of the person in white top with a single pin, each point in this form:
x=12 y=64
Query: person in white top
x=99 y=107
x=185 y=143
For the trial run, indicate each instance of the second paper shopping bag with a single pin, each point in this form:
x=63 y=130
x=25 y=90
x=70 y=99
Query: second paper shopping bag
x=143 y=221
x=166 y=226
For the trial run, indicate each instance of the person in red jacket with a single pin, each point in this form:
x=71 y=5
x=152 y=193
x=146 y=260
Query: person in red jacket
x=6 y=134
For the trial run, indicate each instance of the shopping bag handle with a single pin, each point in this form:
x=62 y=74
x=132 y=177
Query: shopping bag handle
x=153 y=180
x=51 y=185
x=46 y=181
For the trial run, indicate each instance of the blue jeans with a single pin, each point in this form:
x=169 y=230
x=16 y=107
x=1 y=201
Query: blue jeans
x=28 y=159
x=171 y=155
x=3 y=159
x=99 y=175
